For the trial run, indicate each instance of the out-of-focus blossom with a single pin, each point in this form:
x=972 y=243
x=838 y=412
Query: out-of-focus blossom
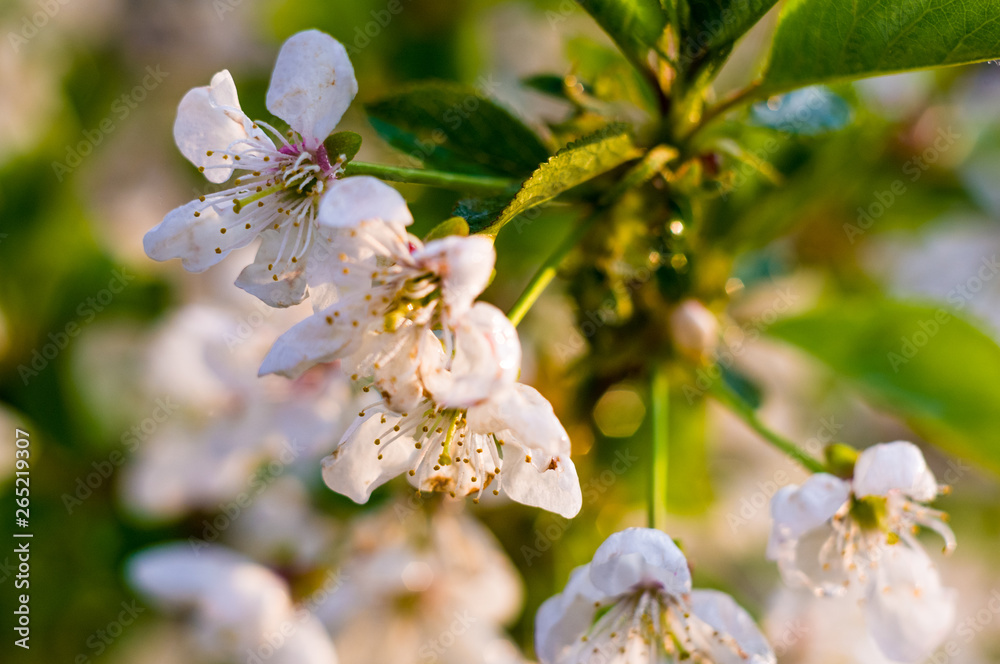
x=634 y=603
x=278 y=192
x=282 y=528
x=419 y=589
x=837 y=536
x=476 y=427
x=804 y=631
x=220 y=430
x=237 y=608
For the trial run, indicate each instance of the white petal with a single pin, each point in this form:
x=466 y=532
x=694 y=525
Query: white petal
x=354 y=468
x=562 y=619
x=522 y=417
x=741 y=641
x=487 y=360
x=797 y=510
x=353 y=200
x=309 y=643
x=398 y=374
x=909 y=612
x=465 y=265
x=209 y=119
x=312 y=85
x=898 y=466
x=323 y=337
x=640 y=558
x=556 y=488
x=197 y=241
x=258 y=280
x=237 y=601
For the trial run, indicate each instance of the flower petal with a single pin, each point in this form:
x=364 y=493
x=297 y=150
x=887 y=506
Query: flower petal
x=486 y=361
x=523 y=417
x=362 y=198
x=197 y=240
x=734 y=637
x=354 y=468
x=909 y=612
x=309 y=643
x=397 y=375
x=465 y=265
x=312 y=85
x=258 y=278
x=562 y=619
x=640 y=558
x=323 y=337
x=236 y=600
x=555 y=488
x=795 y=510
x=209 y=119
x=898 y=466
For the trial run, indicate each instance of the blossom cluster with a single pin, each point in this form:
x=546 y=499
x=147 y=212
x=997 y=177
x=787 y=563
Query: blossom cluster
x=400 y=315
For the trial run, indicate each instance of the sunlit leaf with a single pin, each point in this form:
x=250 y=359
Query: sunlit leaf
x=923 y=362
x=828 y=40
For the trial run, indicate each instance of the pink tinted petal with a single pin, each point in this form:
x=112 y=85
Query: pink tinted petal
x=259 y=280
x=197 y=240
x=312 y=85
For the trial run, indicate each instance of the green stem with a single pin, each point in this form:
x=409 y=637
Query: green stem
x=477 y=184
x=660 y=397
x=749 y=94
x=740 y=408
x=547 y=272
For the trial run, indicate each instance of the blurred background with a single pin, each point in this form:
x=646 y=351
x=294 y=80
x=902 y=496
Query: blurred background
x=137 y=381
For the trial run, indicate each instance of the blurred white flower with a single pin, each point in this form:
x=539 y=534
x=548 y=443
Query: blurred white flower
x=634 y=603
x=238 y=609
x=477 y=426
x=223 y=431
x=805 y=631
x=836 y=536
x=277 y=195
x=421 y=589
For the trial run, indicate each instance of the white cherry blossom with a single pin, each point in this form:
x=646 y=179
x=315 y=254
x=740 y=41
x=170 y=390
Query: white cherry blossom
x=420 y=589
x=857 y=537
x=277 y=194
x=236 y=606
x=829 y=531
x=384 y=293
x=216 y=425
x=634 y=603
x=474 y=427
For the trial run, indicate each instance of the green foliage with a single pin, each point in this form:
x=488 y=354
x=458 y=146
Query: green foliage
x=457 y=128
x=345 y=143
x=573 y=165
x=826 y=40
x=635 y=25
x=925 y=363
x=716 y=24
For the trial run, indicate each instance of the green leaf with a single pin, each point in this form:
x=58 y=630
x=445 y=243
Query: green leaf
x=575 y=164
x=457 y=128
x=346 y=143
x=716 y=24
x=635 y=25
x=923 y=362
x=826 y=40
x=448 y=227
